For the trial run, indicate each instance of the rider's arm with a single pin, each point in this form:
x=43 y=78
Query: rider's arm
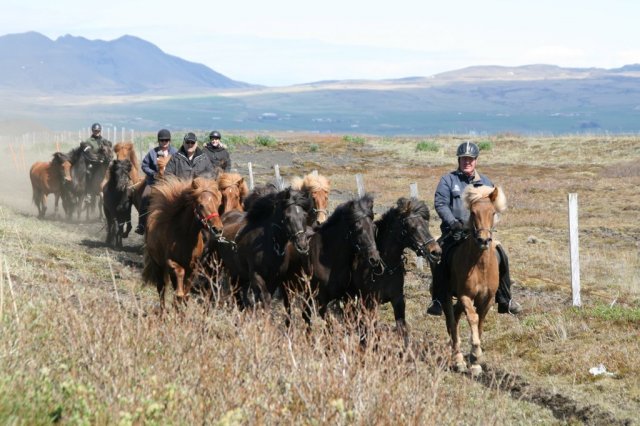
x=146 y=165
x=442 y=201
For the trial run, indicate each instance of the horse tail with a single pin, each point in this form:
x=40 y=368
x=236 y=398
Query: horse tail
x=152 y=272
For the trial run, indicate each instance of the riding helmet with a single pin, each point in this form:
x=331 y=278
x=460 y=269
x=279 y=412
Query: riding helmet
x=190 y=137
x=215 y=135
x=468 y=149
x=164 y=134
x=96 y=127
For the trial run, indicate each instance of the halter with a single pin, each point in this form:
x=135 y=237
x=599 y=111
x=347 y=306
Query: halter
x=418 y=247
x=205 y=221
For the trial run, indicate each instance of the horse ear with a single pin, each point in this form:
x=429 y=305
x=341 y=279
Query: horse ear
x=498 y=199
x=195 y=184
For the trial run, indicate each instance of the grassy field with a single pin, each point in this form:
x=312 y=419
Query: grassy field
x=81 y=341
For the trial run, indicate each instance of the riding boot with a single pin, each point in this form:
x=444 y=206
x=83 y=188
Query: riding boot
x=439 y=286
x=142 y=215
x=503 y=296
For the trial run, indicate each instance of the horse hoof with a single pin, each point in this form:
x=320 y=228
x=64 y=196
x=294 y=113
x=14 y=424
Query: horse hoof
x=476 y=370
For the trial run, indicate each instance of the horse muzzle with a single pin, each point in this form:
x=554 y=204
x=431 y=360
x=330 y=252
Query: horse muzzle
x=301 y=242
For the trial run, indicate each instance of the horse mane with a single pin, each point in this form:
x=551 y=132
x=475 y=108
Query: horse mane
x=405 y=207
x=128 y=147
x=474 y=193
x=258 y=191
x=119 y=174
x=58 y=158
x=264 y=206
x=311 y=183
x=352 y=210
x=172 y=195
x=225 y=180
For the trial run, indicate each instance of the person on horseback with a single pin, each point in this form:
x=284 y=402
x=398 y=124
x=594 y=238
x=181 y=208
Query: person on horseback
x=93 y=143
x=190 y=161
x=217 y=151
x=151 y=169
x=450 y=207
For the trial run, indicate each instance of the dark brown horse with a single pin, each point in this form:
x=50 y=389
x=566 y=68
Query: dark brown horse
x=253 y=244
x=473 y=272
x=117 y=202
x=54 y=178
x=318 y=188
x=181 y=211
x=345 y=239
x=88 y=171
x=234 y=190
x=126 y=151
x=404 y=226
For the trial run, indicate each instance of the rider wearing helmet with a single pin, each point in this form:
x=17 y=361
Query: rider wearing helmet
x=217 y=151
x=94 y=142
x=451 y=209
x=151 y=169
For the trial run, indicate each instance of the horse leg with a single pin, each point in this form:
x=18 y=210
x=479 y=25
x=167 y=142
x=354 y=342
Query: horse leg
x=179 y=272
x=287 y=306
x=55 y=206
x=119 y=232
x=398 y=305
x=453 y=314
x=257 y=282
x=474 y=319
x=42 y=208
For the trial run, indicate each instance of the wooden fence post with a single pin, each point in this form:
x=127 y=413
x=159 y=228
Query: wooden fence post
x=279 y=181
x=251 y=185
x=574 y=248
x=360 y=185
x=413 y=191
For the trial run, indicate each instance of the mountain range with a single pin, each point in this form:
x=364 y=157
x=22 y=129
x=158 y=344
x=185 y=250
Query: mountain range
x=131 y=82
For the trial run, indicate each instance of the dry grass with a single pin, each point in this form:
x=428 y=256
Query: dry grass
x=73 y=351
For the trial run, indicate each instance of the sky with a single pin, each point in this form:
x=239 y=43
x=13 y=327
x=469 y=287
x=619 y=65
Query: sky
x=285 y=42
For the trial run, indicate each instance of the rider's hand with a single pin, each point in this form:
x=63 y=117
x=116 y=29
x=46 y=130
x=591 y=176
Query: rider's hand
x=457 y=228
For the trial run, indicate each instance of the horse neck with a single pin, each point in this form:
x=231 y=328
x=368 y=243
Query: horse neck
x=389 y=243
x=333 y=238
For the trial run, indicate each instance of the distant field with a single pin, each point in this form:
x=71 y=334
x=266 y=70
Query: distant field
x=80 y=340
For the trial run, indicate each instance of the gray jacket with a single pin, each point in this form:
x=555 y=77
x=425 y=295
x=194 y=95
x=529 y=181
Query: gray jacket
x=200 y=165
x=448 y=199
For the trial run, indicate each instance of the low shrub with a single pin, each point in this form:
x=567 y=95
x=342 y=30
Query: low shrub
x=428 y=146
x=353 y=139
x=265 y=140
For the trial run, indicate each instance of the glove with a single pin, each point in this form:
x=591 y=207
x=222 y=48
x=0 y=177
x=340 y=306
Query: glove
x=457 y=229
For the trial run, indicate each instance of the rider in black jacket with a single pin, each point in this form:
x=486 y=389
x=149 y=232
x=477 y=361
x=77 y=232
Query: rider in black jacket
x=190 y=161
x=217 y=152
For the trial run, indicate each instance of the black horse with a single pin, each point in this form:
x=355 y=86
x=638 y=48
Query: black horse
x=404 y=226
x=88 y=170
x=253 y=244
x=117 y=202
x=347 y=237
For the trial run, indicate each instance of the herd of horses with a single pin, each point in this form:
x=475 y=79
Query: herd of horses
x=203 y=234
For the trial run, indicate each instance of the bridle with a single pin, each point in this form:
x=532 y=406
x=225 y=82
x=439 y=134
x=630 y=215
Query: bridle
x=204 y=220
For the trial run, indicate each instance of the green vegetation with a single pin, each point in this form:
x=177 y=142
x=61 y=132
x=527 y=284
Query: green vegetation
x=485 y=145
x=615 y=313
x=314 y=147
x=428 y=146
x=231 y=141
x=354 y=139
x=265 y=140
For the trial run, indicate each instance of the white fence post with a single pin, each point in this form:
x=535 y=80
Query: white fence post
x=360 y=185
x=250 y=176
x=279 y=181
x=314 y=173
x=413 y=191
x=574 y=248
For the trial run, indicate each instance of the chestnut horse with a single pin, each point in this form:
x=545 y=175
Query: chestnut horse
x=181 y=211
x=318 y=188
x=234 y=190
x=51 y=178
x=126 y=151
x=404 y=226
x=473 y=272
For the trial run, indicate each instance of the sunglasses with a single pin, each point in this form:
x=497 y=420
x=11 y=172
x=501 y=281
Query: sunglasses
x=164 y=140
x=189 y=142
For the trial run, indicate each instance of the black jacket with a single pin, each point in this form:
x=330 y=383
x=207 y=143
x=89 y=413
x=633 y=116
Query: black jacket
x=219 y=156
x=200 y=165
